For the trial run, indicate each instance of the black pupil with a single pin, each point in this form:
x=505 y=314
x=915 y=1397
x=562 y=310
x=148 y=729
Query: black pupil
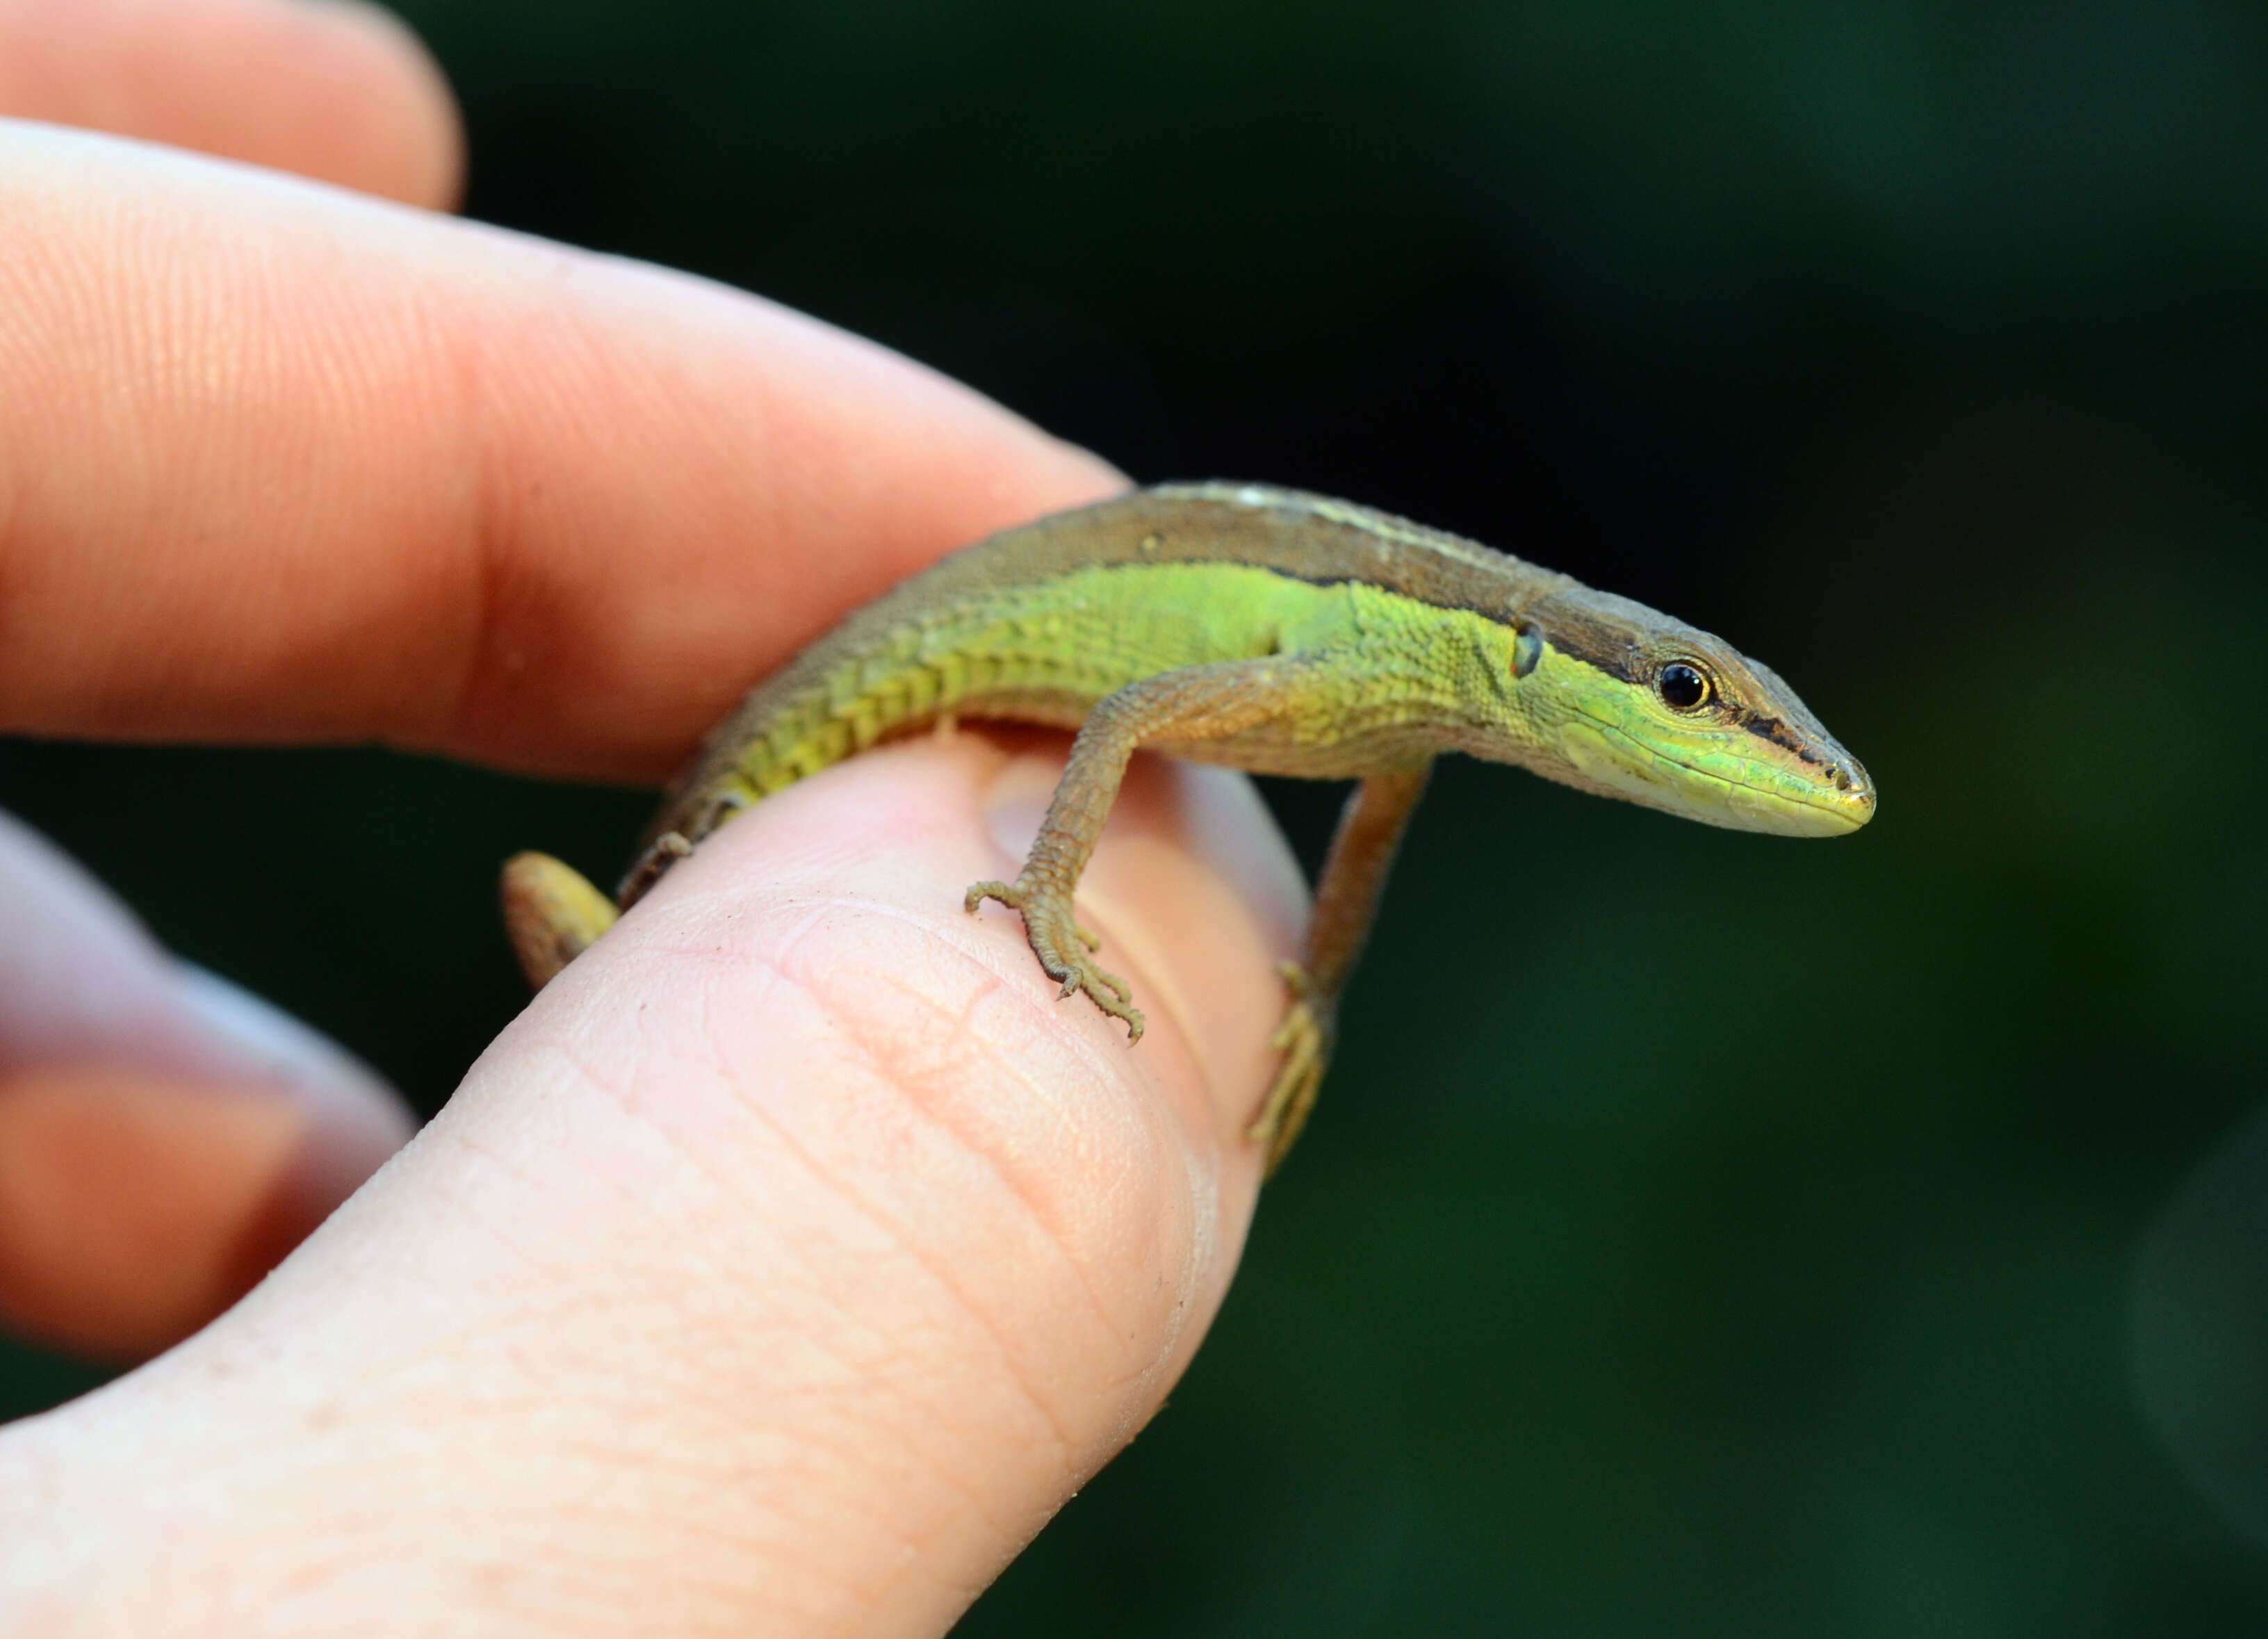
x=1683 y=686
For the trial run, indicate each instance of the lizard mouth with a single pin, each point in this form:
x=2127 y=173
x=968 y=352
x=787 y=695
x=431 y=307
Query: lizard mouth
x=1801 y=811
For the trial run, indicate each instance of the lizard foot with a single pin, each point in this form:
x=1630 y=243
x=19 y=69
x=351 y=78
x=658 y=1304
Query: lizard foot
x=1304 y=1039
x=1062 y=946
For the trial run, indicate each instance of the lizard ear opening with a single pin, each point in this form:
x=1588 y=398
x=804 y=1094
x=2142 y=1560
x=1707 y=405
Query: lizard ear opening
x=1527 y=650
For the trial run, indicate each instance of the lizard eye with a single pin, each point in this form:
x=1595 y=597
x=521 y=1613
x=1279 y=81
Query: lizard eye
x=1682 y=687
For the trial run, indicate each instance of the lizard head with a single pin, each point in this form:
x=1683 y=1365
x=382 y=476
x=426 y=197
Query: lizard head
x=1612 y=698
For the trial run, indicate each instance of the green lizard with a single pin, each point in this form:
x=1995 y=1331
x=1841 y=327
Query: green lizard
x=1273 y=631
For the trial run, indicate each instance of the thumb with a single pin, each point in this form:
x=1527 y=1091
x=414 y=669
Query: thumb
x=784 y=1267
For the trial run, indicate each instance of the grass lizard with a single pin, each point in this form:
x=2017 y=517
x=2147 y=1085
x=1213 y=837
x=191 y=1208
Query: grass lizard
x=1277 y=632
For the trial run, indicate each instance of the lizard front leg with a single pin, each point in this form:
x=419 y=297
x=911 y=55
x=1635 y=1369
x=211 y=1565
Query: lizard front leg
x=1193 y=702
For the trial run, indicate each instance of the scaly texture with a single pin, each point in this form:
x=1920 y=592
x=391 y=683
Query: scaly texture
x=1273 y=631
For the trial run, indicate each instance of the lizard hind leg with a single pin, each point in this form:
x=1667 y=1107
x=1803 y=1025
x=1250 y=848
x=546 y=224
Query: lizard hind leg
x=1304 y=1039
x=551 y=913
x=1346 y=899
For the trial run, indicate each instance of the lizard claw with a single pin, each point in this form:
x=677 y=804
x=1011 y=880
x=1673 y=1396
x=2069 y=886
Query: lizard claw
x=1008 y=894
x=1062 y=946
x=1304 y=1039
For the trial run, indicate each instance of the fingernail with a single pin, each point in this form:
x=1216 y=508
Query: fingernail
x=1225 y=823
x=1017 y=801
x=279 y=1048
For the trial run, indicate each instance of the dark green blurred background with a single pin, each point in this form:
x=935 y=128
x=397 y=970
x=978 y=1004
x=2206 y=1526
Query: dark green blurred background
x=1702 y=1233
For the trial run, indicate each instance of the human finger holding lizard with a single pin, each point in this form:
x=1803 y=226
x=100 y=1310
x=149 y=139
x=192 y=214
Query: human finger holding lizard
x=604 y=1303
x=795 y=1225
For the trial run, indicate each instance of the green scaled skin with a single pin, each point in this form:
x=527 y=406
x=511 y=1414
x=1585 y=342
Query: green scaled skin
x=1272 y=631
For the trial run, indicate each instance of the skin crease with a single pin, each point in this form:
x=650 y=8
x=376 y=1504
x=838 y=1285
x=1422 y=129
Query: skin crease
x=788 y=1263
x=727 y=1261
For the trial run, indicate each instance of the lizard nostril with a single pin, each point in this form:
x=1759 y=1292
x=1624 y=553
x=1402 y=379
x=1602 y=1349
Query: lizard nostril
x=1840 y=776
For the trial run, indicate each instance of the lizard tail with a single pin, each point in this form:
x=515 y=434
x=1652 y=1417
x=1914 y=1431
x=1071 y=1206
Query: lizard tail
x=551 y=913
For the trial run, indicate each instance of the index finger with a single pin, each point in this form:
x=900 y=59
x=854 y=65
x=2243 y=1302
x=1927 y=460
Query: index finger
x=334 y=89
x=278 y=463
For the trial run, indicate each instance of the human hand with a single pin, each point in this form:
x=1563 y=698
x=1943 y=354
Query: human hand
x=795 y=1254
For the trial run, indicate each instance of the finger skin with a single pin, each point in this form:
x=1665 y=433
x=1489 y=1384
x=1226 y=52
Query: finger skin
x=780 y=1270
x=164 y=1139
x=338 y=91
x=135 y=1209
x=282 y=464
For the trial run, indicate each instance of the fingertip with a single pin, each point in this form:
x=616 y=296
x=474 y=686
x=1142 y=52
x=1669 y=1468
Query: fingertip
x=336 y=90
x=165 y=1136
x=424 y=160
x=134 y=1207
x=845 y=894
